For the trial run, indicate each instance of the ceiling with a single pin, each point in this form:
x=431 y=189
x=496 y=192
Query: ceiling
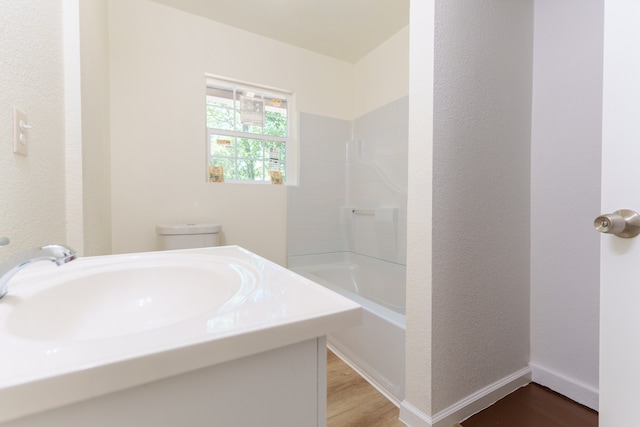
x=342 y=29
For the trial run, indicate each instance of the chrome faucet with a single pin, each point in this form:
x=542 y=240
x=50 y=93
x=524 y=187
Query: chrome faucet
x=55 y=253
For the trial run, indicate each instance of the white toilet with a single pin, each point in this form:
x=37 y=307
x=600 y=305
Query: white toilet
x=186 y=236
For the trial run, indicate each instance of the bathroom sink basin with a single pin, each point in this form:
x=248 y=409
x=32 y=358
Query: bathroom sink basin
x=100 y=325
x=136 y=294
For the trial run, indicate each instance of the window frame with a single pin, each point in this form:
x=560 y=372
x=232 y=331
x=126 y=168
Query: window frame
x=291 y=141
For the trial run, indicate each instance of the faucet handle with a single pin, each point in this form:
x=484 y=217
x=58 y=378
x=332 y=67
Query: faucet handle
x=4 y=241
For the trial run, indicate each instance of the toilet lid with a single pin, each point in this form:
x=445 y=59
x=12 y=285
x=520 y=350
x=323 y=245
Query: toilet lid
x=188 y=229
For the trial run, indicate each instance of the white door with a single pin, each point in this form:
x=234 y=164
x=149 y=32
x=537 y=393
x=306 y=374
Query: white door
x=620 y=258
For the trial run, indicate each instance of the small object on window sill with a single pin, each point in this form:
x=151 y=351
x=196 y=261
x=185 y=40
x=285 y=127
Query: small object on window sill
x=252 y=111
x=216 y=174
x=276 y=177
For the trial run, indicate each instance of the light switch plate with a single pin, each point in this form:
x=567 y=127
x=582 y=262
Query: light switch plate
x=20 y=137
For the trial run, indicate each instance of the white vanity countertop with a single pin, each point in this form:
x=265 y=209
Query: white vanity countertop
x=47 y=363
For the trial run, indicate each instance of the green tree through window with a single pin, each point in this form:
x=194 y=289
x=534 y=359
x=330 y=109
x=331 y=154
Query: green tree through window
x=247 y=143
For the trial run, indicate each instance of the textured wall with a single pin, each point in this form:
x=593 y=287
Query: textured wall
x=481 y=207
x=565 y=196
x=32 y=188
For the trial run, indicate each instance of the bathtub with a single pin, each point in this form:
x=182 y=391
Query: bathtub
x=376 y=348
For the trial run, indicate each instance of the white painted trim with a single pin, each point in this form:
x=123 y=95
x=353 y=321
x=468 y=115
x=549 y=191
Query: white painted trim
x=322 y=380
x=482 y=399
x=73 y=125
x=570 y=387
x=468 y=406
x=414 y=417
x=216 y=80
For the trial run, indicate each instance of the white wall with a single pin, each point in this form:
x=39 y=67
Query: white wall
x=481 y=203
x=72 y=120
x=477 y=336
x=382 y=76
x=158 y=60
x=32 y=188
x=96 y=149
x=565 y=196
x=418 y=366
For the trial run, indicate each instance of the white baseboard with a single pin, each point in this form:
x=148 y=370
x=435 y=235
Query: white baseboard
x=463 y=409
x=575 y=390
x=414 y=417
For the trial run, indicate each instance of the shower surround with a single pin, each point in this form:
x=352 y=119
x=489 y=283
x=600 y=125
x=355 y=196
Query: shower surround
x=346 y=165
x=347 y=231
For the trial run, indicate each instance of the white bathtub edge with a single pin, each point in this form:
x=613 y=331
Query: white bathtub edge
x=393 y=317
x=382 y=330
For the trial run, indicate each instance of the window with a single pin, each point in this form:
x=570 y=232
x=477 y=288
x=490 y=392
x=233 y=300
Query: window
x=249 y=133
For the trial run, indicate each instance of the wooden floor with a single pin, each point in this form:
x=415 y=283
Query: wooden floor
x=353 y=402
x=534 y=406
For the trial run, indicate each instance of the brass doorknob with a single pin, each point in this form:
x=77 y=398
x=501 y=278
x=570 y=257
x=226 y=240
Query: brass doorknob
x=623 y=223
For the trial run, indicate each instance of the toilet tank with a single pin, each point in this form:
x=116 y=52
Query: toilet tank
x=187 y=236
